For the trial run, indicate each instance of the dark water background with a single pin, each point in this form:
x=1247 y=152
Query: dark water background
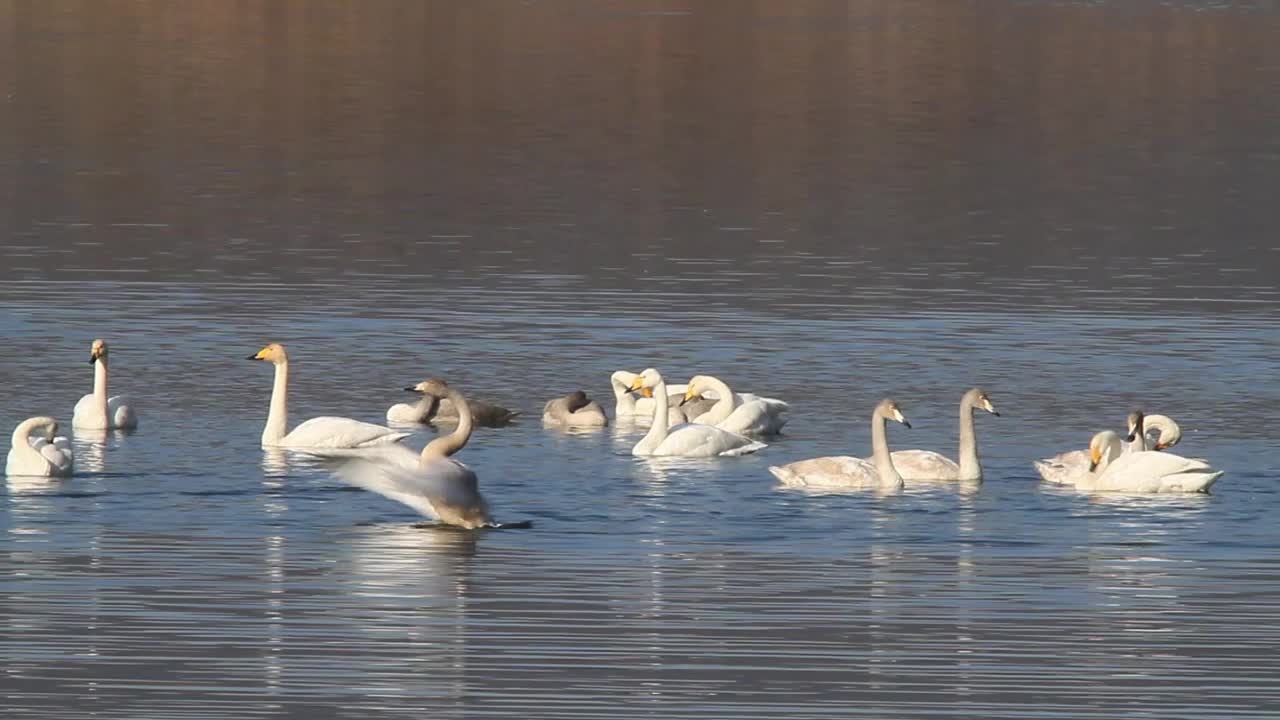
x=1071 y=203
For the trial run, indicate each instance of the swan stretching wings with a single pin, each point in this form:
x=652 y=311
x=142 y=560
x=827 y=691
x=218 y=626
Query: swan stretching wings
x=691 y=440
x=48 y=455
x=923 y=465
x=1144 y=471
x=96 y=411
x=320 y=432
x=845 y=472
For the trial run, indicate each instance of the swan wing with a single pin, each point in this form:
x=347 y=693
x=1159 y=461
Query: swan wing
x=837 y=471
x=1066 y=468
x=705 y=441
x=121 y=414
x=1157 y=472
x=755 y=418
x=336 y=432
x=61 y=461
x=924 y=465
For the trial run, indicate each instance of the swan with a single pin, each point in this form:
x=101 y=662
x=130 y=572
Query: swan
x=433 y=483
x=574 y=410
x=639 y=404
x=760 y=416
x=96 y=411
x=1144 y=471
x=917 y=465
x=431 y=409
x=691 y=440
x=1069 y=467
x=320 y=432
x=46 y=456
x=845 y=472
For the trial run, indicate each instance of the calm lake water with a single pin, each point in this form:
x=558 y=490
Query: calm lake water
x=1069 y=203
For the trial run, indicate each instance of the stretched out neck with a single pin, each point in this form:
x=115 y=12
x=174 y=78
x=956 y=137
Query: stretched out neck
x=880 y=456
x=100 y=379
x=278 y=416
x=970 y=466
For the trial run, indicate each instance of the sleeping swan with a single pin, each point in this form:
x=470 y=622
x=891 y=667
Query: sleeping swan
x=1070 y=467
x=757 y=416
x=320 y=432
x=96 y=411
x=44 y=456
x=574 y=410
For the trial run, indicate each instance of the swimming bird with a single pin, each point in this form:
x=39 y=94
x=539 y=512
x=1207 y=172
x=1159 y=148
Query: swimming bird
x=574 y=410
x=1070 y=467
x=48 y=455
x=851 y=473
x=319 y=432
x=758 y=416
x=924 y=465
x=431 y=409
x=689 y=440
x=96 y=411
x=1144 y=471
x=433 y=483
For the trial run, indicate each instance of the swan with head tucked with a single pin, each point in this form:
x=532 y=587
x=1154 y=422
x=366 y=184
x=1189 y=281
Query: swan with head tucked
x=574 y=410
x=319 y=432
x=433 y=483
x=1070 y=467
x=1144 y=471
x=48 y=455
x=690 y=440
x=852 y=473
x=96 y=411
x=922 y=465
x=758 y=416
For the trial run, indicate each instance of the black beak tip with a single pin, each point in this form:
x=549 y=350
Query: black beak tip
x=993 y=412
x=906 y=424
x=251 y=357
x=411 y=389
x=93 y=360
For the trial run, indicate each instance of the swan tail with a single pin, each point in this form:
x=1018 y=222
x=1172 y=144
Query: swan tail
x=745 y=449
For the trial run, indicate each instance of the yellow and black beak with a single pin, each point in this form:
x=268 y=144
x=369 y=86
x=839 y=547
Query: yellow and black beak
x=94 y=355
x=260 y=355
x=1095 y=457
x=688 y=395
x=637 y=384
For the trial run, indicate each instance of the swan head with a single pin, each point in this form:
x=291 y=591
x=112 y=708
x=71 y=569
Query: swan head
x=648 y=379
x=273 y=353
x=889 y=410
x=1170 y=432
x=97 y=351
x=435 y=387
x=50 y=429
x=1135 y=422
x=577 y=400
x=694 y=388
x=1103 y=446
x=977 y=397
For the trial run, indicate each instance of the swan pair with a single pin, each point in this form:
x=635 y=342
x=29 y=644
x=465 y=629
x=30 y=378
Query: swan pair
x=689 y=439
x=432 y=482
x=706 y=400
x=46 y=455
x=1071 y=467
x=886 y=470
x=1133 y=468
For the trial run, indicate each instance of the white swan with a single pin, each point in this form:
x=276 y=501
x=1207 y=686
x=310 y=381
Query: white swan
x=845 y=472
x=433 y=483
x=46 y=456
x=1070 y=467
x=639 y=404
x=320 y=432
x=921 y=465
x=759 y=416
x=690 y=440
x=1144 y=471
x=574 y=410
x=96 y=411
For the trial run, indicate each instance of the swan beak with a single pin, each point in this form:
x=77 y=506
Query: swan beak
x=251 y=357
x=93 y=358
x=412 y=390
x=986 y=405
x=688 y=395
x=1130 y=437
x=636 y=384
x=1095 y=457
x=897 y=415
x=647 y=392
x=1161 y=446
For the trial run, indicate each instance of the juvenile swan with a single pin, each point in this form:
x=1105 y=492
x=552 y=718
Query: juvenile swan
x=1070 y=467
x=574 y=410
x=761 y=416
x=690 y=440
x=320 y=432
x=96 y=411
x=845 y=472
x=929 y=465
x=44 y=456
x=432 y=483
x=1144 y=471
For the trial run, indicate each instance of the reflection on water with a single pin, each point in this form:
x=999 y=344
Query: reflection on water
x=1069 y=203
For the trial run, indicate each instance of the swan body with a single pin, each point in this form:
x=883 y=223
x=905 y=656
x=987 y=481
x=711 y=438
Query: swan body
x=319 y=432
x=923 y=465
x=1069 y=468
x=851 y=473
x=1143 y=471
x=432 y=483
x=97 y=411
x=49 y=455
x=574 y=410
x=756 y=416
x=690 y=440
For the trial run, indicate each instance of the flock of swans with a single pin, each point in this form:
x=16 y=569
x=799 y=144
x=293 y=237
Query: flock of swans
x=701 y=418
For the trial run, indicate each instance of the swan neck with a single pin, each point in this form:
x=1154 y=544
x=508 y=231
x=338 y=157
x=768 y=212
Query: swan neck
x=970 y=466
x=22 y=435
x=880 y=456
x=724 y=404
x=278 y=416
x=658 y=428
x=624 y=404
x=456 y=440
x=1139 y=443
x=100 y=381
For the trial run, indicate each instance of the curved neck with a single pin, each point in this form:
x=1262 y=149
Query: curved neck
x=880 y=456
x=1139 y=443
x=658 y=429
x=456 y=440
x=724 y=402
x=970 y=467
x=278 y=416
x=22 y=435
x=624 y=403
